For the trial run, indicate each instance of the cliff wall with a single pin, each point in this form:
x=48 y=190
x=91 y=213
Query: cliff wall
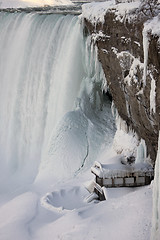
x=130 y=55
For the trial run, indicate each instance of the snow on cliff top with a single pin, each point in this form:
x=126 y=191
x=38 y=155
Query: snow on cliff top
x=31 y=3
x=95 y=11
x=153 y=26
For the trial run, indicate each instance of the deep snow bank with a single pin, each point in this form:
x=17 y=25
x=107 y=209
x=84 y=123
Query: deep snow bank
x=126 y=215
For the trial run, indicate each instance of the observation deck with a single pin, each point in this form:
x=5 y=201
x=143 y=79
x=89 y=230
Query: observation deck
x=113 y=175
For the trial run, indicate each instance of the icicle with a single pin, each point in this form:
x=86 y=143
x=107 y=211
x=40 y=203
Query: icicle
x=141 y=152
x=152 y=95
x=120 y=123
x=145 y=49
x=113 y=109
x=125 y=140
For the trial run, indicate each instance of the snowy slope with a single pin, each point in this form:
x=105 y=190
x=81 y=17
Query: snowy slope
x=126 y=214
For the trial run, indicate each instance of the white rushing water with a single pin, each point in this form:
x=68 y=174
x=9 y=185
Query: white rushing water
x=44 y=67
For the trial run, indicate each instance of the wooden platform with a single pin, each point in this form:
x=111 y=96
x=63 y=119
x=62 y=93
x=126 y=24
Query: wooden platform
x=113 y=175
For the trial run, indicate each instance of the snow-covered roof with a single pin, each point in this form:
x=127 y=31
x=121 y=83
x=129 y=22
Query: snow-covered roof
x=121 y=170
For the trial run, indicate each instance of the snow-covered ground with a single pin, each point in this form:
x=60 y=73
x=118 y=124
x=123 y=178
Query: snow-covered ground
x=63 y=213
x=155 y=235
x=60 y=210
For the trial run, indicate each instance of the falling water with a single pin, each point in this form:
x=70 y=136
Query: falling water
x=42 y=72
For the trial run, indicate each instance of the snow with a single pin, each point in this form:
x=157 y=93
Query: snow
x=137 y=43
x=156 y=199
x=125 y=140
x=32 y=3
x=121 y=170
x=95 y=11
x=15 y=216
x=123 y=10
x=126 y=210
x=64 y=213
x=126 y=60
x=153 y=26
x=96 y=36
x=65 y=199
x=126 y=143
x=69 y=142
x=133 y=70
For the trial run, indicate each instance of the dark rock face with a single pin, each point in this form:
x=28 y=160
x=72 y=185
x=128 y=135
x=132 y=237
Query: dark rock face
x=120 y=50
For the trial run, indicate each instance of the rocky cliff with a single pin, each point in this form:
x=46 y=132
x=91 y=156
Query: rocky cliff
x=129 y=51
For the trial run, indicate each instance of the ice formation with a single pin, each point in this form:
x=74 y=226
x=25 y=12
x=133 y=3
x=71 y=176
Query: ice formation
x=145 y=49
x=141 y=152
x=125 y=140
x=151 y=27
x=153 y=95
x=127 y=143
x=78 y=137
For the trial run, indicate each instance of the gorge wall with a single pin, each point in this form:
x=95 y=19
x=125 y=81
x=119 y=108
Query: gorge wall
x=129 y=51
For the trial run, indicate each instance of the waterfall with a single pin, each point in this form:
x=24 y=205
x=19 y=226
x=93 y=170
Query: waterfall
x=43 y=77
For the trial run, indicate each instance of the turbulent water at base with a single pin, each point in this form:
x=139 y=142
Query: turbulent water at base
x=51 y=101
